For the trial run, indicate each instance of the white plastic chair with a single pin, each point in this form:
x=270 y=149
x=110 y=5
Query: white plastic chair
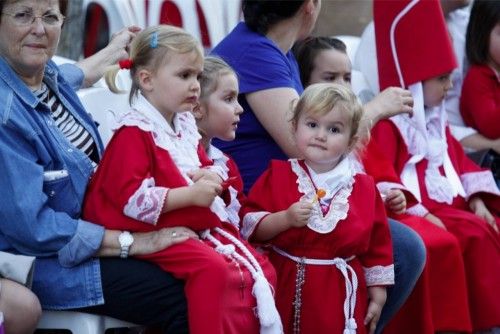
x=80 y=323
x=103 y=105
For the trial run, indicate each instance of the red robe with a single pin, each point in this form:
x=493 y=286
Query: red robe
x=219 y=290
x=479 y=243
x=436 y=303
x=364 y=233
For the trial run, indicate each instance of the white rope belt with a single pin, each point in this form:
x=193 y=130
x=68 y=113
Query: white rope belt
x=270 y=322
x=351 y=285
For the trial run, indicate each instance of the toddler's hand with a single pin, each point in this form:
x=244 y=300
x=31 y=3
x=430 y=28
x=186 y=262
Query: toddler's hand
x=204 y=191
x=298 y=214
x=477 y=205
x=377 y=296
x=396 y=201
x=204 y=173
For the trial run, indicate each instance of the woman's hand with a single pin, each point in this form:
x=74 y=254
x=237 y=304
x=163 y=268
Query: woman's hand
x=377 y=296
x=392 y=101
x=298 y=214
x=477 y=205
x=435 y=220
x=395 y=201
x=94 y=66
x=152 y=242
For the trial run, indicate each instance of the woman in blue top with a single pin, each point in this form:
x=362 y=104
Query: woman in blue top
x=49 y=147
x=259 y=50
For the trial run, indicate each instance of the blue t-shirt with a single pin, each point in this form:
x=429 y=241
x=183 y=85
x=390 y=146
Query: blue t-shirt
x=260 y=65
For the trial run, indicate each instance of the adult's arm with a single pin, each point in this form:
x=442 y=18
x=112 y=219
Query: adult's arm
x=273 y=109
x=32 y=227
x=94 y=66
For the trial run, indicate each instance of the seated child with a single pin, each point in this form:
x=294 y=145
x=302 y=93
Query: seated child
x=425 y=311
x=154 y=173
x=325 y=221
x=451 y=191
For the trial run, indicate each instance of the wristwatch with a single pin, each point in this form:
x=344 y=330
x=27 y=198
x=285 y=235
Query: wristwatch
x=125 y=239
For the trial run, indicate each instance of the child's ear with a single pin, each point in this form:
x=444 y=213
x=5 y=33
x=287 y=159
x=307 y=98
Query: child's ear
x=145 y=80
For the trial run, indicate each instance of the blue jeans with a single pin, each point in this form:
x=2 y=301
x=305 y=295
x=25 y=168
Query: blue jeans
x=409 y=261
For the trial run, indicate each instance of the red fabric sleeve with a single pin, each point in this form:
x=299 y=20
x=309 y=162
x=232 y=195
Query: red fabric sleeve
x=480 y=101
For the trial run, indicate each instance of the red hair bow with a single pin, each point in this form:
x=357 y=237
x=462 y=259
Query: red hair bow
x=125 y=64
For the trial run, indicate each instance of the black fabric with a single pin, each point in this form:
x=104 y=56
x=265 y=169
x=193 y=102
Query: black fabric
x=140 y=292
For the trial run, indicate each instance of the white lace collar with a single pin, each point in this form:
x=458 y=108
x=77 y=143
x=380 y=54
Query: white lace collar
x=338 y=185
x=181 y=144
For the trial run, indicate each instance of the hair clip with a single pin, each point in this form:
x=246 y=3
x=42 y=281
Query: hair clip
x=154 y=40
x=125 y=64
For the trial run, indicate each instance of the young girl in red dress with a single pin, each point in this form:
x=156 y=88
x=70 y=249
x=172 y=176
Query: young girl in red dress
x=451 y=191
x=436 y=303
x=155 y=173
x=325 y=221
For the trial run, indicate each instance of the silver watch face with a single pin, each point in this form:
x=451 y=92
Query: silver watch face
x=125 y=239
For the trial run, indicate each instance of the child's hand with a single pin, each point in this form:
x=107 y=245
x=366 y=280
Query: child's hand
x=377 y=296
x=298 y=214
x=204 y=191
x=396 y=201
x=477 y=205
x=204 y=173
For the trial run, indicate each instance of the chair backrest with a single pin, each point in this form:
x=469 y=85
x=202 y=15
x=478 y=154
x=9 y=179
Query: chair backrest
x=103 y=105
x=80 y=323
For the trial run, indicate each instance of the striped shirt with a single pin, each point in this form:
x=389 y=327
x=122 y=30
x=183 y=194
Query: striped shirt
x=69 y=126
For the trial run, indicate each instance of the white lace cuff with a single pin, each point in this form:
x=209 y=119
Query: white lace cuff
x=146 y=203
x=417 y=210
x=250 y=222
x=379 y=275
x=482 y=181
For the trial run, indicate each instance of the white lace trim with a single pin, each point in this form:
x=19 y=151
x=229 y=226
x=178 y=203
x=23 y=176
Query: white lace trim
x=339 y=194
x=476 y=182
x=379 y=275
x=417 y=210
x=220 y=167
x=181 y=144
x=250 y=222
x=146 y=203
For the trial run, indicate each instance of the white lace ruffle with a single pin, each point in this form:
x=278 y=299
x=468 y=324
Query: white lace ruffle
x=250 y=222
x=417 y=210
x=220 y=167
x=181 y=144
x=146 y=203
x=338 y=207
x=482 y=181
x=379 y=275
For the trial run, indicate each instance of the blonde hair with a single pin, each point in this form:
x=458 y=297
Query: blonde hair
x=213 y=69
x=151 y=49
x=321 y=98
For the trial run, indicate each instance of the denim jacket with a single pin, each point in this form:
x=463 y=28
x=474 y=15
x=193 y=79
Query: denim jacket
x=43 y=180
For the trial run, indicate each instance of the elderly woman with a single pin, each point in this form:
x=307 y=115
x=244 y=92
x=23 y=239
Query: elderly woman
x=49 y=147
